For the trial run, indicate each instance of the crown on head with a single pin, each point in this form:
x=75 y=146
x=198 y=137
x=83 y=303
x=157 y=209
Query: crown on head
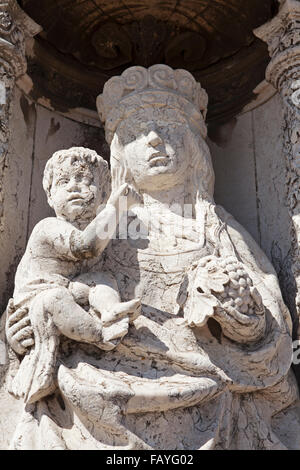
x=157 y=86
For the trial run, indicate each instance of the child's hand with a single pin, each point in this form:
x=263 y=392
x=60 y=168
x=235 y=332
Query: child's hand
x=130 y=310
x=131 y=197
x=116 y=322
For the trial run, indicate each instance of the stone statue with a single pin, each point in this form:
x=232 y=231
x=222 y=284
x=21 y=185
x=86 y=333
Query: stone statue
x=206 y=364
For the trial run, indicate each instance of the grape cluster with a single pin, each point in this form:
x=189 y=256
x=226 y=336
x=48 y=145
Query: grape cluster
x=238 y=292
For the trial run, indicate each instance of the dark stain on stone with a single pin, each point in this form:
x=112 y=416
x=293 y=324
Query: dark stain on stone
x=9 y=276
x=74 y=58
x=28 y=111
x=94 y=138
x=54 y=127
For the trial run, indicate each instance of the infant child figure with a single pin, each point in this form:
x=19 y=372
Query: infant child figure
x=55 y=278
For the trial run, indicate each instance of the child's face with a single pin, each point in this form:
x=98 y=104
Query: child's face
x=75 y=192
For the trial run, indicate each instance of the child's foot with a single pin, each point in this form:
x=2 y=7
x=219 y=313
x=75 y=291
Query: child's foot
x=113 y=334
x=130 y=309
x=108 y=337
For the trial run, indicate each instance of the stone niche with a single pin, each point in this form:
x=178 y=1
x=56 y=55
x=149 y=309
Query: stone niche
x=68 y=63
x=76 y=49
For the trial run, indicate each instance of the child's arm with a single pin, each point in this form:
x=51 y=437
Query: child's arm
x=92 y=241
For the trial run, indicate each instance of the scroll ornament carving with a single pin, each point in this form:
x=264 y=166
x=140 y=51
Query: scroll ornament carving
x=282 y=34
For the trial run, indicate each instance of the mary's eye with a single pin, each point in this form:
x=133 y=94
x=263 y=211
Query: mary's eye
x=62 y=181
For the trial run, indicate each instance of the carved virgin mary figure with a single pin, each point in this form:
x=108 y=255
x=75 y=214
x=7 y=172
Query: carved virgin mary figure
x=206 y=364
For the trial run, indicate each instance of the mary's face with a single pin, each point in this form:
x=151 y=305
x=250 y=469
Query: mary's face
x=156 y=152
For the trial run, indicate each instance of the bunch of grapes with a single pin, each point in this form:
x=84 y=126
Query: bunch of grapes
x=238 y=293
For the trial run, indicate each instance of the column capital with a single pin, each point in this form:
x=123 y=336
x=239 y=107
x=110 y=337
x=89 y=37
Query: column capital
x=15 y=28
x=282 y=34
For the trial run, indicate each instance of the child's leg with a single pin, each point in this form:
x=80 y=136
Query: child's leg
x=71 y=319
x=104 y=298
x=115 y=315
x=81 y=292
x=100 y=292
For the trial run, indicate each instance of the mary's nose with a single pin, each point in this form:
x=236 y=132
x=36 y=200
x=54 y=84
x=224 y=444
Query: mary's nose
x=154 y=139
x=73 y=185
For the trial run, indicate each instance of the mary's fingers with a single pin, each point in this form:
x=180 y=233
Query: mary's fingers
x=17 y=316
x=18 y=348
x=191 y=235
x=27 y=343
x=21 y=341
x=25 y=333
x=10 y=307
x=256 y=296
x=24 y=322
x=186 y=233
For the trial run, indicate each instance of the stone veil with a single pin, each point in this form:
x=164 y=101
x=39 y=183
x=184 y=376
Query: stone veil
x=206 y=365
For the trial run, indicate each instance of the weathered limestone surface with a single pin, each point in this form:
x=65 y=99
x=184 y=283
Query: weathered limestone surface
x=250 y=151
x=15 y=150
x=250 y=169
x=238 y=187
x=16 y=181
x=209 y=355
x=234 y=166
x=15 y=28
x=283 y=39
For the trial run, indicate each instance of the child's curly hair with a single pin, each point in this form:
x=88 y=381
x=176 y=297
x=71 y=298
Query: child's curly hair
x=78 y=154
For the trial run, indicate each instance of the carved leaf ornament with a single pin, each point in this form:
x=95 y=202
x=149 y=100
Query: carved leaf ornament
x=209 y=279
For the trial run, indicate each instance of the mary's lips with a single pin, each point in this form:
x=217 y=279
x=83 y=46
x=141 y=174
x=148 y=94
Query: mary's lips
x=157 y=158
x=75 y=197
x=157 y=155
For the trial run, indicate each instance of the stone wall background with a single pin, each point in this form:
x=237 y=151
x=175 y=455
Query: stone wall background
x=249 y=167
x=251 y=184
x=251 y=177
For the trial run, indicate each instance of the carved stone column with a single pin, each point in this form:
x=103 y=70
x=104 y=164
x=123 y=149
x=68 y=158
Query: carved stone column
x=15 y=28
x=282 y=34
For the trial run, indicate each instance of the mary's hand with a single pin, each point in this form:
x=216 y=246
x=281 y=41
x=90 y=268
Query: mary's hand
x=18 y=328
